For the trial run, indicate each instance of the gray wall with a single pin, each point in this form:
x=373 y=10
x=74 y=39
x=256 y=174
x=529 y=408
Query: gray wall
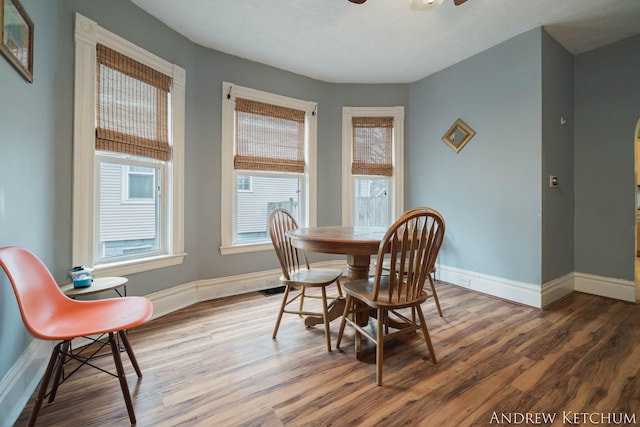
x=557 y=160
x=489 y=192
x=35 y=162
x=607 y=108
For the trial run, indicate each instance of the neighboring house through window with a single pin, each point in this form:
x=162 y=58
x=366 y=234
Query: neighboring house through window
x=268 y=162
x=128 y=155
x=372 y=168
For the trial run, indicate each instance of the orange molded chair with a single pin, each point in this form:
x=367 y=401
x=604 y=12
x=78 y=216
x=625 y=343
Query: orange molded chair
x=50 y=315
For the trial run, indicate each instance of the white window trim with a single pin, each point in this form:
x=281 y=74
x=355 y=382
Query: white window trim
x=396 y=181
x=87 y=35
x=230 y=92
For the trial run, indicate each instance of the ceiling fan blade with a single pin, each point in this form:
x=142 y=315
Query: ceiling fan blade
x=458 y=2
x=357 y=1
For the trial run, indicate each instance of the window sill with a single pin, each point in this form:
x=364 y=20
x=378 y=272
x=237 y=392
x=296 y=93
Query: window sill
x=125 y=268
x=241 y=249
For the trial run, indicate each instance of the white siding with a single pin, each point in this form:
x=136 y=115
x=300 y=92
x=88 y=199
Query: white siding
x=120 y=219
x=253 y=206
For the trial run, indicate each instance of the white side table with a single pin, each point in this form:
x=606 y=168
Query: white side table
x=100 y=284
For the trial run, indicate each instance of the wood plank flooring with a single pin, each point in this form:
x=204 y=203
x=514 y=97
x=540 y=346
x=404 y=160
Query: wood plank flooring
x=215 y=364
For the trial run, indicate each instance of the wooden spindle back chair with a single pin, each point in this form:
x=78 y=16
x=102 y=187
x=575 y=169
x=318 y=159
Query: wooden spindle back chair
x=411 y=244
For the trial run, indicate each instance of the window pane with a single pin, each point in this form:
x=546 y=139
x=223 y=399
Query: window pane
x=253 y=208
x=125 y=229
x=371 y=201
x=141 y=183
x=244 y=183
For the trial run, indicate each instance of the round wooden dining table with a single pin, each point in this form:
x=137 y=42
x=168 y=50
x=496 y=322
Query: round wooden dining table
x=358 y=243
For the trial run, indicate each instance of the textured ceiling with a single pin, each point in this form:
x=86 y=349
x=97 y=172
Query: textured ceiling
x=385 y=41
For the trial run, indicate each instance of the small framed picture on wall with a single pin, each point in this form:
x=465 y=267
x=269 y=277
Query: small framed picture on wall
x=458 y=135
x=17 y=37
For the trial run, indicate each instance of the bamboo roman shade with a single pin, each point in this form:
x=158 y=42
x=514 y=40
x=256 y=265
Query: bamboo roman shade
x=132 y=106
x=372 y=139
x=268 y=137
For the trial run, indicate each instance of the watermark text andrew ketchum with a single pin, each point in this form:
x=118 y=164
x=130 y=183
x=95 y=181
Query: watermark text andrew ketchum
x=567 y=417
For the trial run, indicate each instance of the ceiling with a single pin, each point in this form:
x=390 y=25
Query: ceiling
x=385 y=41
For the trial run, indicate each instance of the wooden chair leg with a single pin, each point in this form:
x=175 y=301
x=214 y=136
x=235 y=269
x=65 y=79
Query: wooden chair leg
x=325 y=317
x=339 y=288
x=115 y=350
x=132 y=356
x=44 y=384
x=380 y=346
x=302 y=295
x=435 y=295
x=282 y=306
x=427 y=338
x=61 y=359
x=343 y=322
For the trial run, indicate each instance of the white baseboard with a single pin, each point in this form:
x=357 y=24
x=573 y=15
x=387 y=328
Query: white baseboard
x=177 y=297
x=557 y=289
x=605 y=286
x=521 y=292
x=22 y=379
x=536 y=295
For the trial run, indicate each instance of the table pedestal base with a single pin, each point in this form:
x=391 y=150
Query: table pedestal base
x=358 y=266
x=336 y=308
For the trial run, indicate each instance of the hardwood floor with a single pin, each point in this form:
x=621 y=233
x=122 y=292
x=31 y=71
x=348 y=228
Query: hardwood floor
x=215 y=363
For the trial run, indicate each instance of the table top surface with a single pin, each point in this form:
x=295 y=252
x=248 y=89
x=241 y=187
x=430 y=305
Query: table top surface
x=351 y=240
x=100 y=284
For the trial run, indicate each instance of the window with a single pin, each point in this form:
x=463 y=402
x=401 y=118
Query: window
x=372 y=150
x=244 y=183
x=140 y=183
x=128 y=155
x=268 y=152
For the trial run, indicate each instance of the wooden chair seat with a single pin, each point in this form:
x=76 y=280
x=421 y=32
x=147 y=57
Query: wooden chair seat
x=312 y=277
x=366 y=288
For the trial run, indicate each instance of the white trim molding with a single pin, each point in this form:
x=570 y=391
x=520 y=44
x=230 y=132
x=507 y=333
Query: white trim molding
x=22 y=379
x=173 y=299
x=397 y=180
x=609 y=287
x=535 y=295
x=87 y=35
x=512 y=290
x=231 y=91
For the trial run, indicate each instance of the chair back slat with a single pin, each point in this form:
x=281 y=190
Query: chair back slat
x=291 y=259
x=411 y=244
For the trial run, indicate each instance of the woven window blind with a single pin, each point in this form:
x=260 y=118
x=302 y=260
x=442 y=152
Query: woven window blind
x=132 y=106
x=372 y=137
x=269 y=137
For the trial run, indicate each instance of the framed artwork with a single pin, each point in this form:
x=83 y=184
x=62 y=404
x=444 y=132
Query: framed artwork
x=17 y=37
x=458 y=135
